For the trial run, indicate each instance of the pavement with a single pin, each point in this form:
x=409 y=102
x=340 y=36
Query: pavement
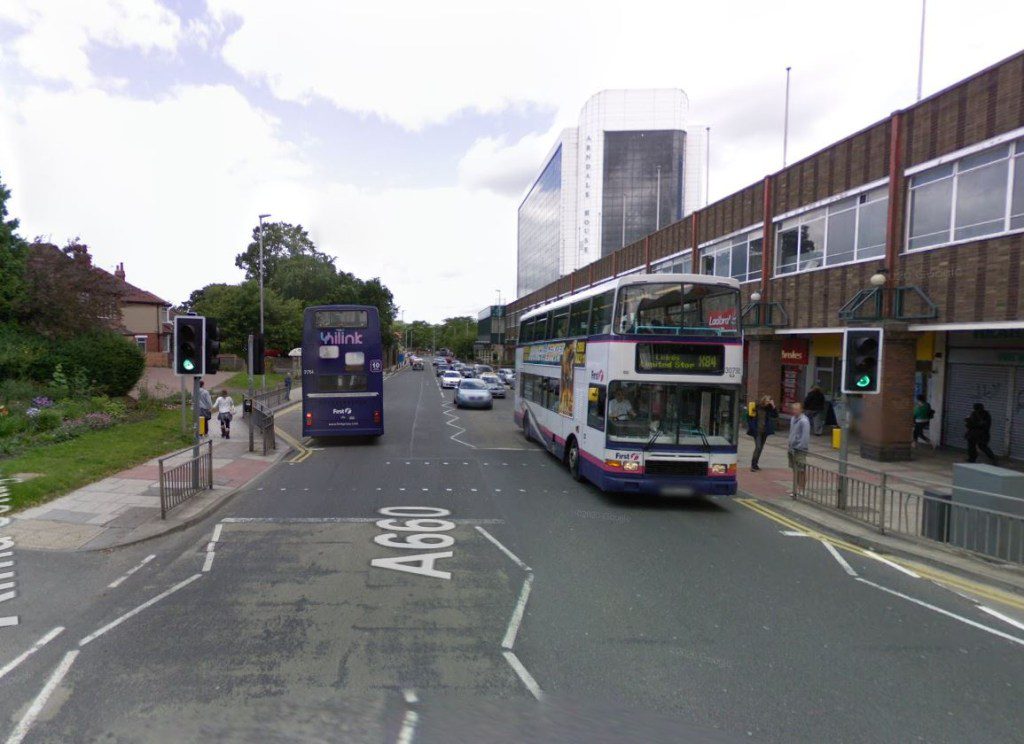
x=773 y=484
x=125 y=508
x=521 y=606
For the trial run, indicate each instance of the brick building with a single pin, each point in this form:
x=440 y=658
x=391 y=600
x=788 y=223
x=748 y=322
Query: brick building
x=930 y=202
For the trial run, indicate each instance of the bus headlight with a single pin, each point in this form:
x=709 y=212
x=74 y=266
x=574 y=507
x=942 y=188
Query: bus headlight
x=631 y=467
x=720 y=469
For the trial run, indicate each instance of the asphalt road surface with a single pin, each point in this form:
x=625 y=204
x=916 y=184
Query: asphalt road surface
x=538 y=609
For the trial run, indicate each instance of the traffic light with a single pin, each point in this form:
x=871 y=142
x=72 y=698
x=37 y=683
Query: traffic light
x=862 y=361
x=188 y=344
x=259 y=352
x=211 y=347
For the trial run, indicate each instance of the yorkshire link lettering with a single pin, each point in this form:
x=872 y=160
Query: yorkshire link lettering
x=340 y=337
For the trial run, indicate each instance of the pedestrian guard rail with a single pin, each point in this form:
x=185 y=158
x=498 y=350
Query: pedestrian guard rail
x=261 y=427
x=911 y=507
x=270 y=398
x=183 y=474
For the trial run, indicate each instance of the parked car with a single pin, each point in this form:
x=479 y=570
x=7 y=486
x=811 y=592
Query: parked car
x=473 y=394
x=507 y=375
x=417 y=364
x=450 y=379
x=494 y=384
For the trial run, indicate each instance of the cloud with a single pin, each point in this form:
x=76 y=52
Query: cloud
x=505 y=168
x=53 y=38
x=172 y=187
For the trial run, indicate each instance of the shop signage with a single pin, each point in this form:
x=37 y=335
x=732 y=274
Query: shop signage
x=790 y=381
x=795 y=351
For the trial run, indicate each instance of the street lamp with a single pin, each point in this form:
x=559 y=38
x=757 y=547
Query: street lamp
x=264 y=376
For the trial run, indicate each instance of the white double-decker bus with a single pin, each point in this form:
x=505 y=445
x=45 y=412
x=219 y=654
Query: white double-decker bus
x=635 y=383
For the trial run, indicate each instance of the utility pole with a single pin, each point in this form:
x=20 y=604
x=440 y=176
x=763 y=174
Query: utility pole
x=707 y=165
x=920 y=53
x=785 y=123
x=657 y=203
x=263 y=383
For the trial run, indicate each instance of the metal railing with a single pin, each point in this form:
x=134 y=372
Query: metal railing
x=270 y=398
x=182 y=480
x=912 y=508
x=261 y=427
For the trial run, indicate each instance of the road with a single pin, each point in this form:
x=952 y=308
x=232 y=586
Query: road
x=557 y=613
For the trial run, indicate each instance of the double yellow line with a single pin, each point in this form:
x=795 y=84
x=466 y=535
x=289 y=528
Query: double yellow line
x=939 y=577
x=304 y=452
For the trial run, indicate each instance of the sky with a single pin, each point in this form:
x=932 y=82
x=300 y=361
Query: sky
x=403 y=135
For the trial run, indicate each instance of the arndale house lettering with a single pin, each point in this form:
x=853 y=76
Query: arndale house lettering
x=340 y=337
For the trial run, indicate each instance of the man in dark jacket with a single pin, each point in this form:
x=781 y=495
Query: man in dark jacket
x=979 y=427
x=814 y=407
x=760 y=426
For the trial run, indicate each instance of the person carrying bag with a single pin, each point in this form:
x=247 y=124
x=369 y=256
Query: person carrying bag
x=760 y=426
x=225 y=412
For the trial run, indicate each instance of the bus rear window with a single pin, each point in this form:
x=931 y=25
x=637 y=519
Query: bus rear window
x=340 y=383
x=341 y=319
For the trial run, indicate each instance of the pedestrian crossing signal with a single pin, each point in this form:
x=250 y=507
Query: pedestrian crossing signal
x=862 y=361
x=189 y=340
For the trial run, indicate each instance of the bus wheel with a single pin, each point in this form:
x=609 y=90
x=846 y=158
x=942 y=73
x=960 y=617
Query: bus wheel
x=573 y=460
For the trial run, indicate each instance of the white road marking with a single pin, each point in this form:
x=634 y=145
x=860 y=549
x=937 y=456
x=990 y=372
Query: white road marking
x=890 y=564
x=1005 y=618
x=336 y=520
x=216 y=532
x=21 y=730
x=517 y=615
x=503 y=549
x=839 y=559
x=408 y=727
x=524 y=675
x=117 y=582
x=410 y=696
x=208 y=562
x=947 y=613
x=793 y=533
x=12 y=665
x=149 y=603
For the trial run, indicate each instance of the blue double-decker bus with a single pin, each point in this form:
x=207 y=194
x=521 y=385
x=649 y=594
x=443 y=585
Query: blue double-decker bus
x=342 y=372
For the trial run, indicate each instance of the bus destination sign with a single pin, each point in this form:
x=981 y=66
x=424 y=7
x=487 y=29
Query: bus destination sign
x=693 y=359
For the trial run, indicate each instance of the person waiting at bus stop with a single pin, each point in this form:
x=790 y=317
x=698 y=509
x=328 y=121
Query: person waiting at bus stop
x=620 y=409
x=760 y=426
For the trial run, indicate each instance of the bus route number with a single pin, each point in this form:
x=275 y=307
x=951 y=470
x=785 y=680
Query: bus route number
x=415 y=528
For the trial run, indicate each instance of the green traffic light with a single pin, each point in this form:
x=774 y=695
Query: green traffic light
x=863 y=381
x=189 y=365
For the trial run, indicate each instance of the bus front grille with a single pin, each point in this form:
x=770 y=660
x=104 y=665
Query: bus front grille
x=677 y=467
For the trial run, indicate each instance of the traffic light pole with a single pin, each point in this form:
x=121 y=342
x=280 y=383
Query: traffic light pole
x=195 y=430
x=844 y=450
x=249 y=360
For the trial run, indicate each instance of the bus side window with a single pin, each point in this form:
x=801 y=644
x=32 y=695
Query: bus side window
x=601 y=314
x=596 y=406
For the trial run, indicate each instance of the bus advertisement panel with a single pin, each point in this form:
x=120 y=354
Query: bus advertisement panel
x=342 y=372
x=635 y=384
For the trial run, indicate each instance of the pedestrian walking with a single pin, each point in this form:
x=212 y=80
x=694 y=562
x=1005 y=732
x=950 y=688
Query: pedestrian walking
x=923 y=414
x=760 y=426
x=814 y=406
x=205 y=406
x=979 y=430
x=287 y=385
x=225 y=412
x=799 y=443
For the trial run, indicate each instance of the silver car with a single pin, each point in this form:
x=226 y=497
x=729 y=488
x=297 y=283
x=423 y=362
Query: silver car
x=472 y=393
x=450 y=379
x=494 y=384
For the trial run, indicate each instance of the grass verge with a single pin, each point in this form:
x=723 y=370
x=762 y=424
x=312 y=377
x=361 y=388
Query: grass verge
x=239 y=383
x=90 y=457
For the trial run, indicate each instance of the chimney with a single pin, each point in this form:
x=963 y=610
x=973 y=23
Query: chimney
x=119 y=271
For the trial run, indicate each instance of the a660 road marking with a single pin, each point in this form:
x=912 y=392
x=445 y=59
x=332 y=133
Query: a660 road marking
x=415 y=528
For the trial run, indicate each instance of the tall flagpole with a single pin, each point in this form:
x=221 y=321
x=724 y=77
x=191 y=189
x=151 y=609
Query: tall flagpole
x=707 y=165
x=785 y=123
x=920 y=53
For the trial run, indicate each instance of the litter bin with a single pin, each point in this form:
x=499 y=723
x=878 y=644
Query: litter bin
x=935 y=515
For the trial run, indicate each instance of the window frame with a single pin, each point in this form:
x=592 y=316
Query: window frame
x=725 y=244
x=1014 y=169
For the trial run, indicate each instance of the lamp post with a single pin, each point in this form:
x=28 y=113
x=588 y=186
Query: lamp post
x=263 y=381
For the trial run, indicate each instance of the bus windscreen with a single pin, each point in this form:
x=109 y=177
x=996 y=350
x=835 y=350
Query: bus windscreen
x=341 y=319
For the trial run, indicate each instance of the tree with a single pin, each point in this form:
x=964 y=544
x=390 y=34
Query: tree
x=280 y=240
x=236 y=308
x=12 y=260
x=459 y=335
x=308 y=279
x=373 y=292
x=65 y=295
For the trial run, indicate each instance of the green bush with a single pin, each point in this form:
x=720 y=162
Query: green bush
x=24 y=355
x=12 y=424
x=47 y=420
x=109 y=361
x=103 y=404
